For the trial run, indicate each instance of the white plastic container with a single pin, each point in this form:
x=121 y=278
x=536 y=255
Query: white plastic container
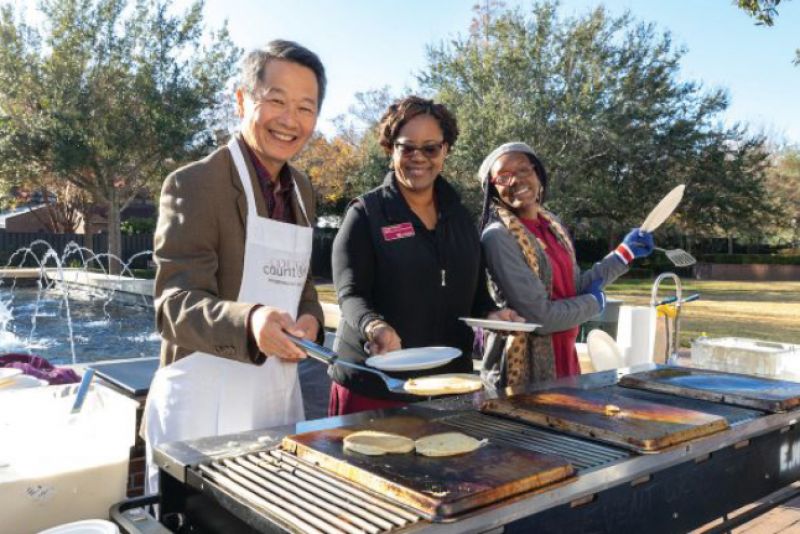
x=748 y=356
x=87 y=526
x=636 y=334
x=55 y=467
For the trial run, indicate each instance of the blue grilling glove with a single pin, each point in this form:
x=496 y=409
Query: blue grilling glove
x=637 y=244
x=595 y=289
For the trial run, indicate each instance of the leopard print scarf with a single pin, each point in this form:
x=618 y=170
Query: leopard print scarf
x=530 y=357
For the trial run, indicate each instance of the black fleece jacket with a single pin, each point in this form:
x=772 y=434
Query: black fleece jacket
x=387 y=265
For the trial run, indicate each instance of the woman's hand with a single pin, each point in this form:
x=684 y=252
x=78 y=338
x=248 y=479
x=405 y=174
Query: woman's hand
x=637 y=244
x=595 y=289
x=382 y=338
x=506 y=314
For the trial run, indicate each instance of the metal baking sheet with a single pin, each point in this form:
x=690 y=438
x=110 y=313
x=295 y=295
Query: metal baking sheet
x=437 y=487
x=728 y=388
x=606 y=415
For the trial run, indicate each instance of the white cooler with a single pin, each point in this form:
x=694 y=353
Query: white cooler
x=55 y=467
x=748 y=356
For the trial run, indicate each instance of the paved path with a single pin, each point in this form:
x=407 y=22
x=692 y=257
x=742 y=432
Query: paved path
x=784 y=519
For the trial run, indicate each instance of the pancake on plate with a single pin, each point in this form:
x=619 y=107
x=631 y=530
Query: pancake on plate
x=447 y=384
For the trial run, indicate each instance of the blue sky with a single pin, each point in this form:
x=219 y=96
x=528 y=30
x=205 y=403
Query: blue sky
x=366 y=44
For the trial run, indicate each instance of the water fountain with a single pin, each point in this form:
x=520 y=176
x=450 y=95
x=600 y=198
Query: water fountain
x=75 y=314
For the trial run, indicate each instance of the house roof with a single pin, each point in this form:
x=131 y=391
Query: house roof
x=10 y=214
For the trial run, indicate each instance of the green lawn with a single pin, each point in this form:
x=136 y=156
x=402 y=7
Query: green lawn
x=326 y=293
x=761 y=310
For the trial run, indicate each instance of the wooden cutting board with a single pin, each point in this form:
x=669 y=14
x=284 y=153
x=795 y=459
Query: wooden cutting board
x=728 y=388
x=603 y=415
x=436 y=487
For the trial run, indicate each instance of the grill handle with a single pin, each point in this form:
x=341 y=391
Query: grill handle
x=318 y=352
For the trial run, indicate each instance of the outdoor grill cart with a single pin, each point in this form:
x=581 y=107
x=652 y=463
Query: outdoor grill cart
x=649 y=449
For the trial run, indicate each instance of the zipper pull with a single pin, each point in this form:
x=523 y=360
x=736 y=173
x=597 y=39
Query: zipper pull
x=443 y=278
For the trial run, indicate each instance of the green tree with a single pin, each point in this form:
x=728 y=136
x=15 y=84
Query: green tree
x=329 y=164
x=729 y=193
x=109 y=96
x=360 y=129
x=783 y=180
x=597 y=97
x=765 y=11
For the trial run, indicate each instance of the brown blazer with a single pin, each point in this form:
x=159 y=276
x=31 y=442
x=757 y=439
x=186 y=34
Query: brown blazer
x=199 y=254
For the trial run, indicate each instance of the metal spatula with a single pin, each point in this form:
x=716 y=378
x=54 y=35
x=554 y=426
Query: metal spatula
x=678 y=257
x=327 y=356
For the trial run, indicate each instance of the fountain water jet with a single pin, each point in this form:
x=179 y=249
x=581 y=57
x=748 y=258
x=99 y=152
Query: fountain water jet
x=89 y=281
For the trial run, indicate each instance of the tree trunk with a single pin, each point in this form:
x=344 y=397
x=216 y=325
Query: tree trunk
x=730 y=244
x=114 y=235
x=88 y=230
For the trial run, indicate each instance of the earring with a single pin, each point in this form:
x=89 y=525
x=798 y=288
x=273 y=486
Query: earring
x=539 y=195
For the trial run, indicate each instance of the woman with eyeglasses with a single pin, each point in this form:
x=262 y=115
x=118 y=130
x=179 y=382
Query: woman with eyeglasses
x=407 y=261
x=533 y=269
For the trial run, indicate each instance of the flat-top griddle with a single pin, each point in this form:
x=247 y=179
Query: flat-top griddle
x=729 y=388
x=437 y=487
x=608 y=416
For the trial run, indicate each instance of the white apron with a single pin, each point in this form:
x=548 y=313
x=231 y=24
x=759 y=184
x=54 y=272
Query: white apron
x=205 y=395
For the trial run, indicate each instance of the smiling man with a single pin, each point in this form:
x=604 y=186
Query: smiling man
x=233 y=247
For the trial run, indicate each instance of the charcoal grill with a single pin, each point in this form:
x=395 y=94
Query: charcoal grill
x=244 y=483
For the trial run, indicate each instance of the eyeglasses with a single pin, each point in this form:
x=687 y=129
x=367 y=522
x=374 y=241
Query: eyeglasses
x=430 y=151
x=504 y=179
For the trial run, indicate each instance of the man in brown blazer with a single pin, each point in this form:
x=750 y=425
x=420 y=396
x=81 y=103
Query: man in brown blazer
x=232 y=249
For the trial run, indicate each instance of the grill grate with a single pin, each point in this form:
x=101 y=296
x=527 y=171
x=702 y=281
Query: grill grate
x=582 y=454
x=303 y=498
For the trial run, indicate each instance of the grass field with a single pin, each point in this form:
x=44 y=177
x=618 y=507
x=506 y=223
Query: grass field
x=760 y=310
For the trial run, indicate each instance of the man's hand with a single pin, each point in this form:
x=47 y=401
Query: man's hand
x=382 y=339
x=268 y=326
x=309 y=324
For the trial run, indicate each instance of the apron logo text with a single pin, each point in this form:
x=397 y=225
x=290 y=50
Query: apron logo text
x=287 y=272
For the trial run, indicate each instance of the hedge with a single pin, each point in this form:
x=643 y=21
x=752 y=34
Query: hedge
x=747 y=259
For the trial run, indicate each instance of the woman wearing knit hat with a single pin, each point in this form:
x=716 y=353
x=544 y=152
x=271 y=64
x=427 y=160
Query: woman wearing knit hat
x=533 y=270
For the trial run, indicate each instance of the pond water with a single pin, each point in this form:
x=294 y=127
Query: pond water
x=101 y=330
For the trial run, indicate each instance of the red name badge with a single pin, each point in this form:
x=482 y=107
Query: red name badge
x=397 y=231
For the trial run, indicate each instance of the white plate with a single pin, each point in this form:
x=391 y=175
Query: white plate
x=504 y=326
x=603 y=351
x=413 y=359
x=663 y=209
x=8 y=373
